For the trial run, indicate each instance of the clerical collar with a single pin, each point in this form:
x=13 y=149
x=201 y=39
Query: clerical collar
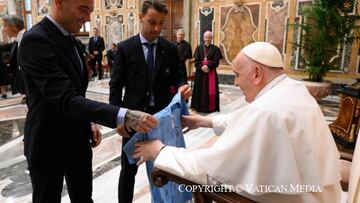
x=61 y=28
x=271 y=85
x=143 y=40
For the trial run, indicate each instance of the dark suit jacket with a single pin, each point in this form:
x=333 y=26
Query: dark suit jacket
x=130 y=71
x=99 y=45
x=110 y=54
x=59 y=116
x=12 y=49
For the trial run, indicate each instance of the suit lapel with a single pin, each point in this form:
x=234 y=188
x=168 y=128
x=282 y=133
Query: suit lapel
x=140 y=52
x=160 y=54
x=64 y=43
x=85 y=72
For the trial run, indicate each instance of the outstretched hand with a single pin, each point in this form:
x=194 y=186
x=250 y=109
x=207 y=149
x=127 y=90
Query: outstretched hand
x=185 y=91
x=147 y=150
x=194 y=121
x=140 y=121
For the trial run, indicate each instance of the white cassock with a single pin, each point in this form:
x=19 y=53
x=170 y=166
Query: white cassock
x=281 y=139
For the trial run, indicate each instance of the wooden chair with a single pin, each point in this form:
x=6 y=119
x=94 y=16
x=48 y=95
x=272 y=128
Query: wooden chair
x=161 y=178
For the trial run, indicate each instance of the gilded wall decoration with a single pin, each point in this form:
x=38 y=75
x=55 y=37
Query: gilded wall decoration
x=113 y=4
x=114 y=29
x=43 y=7
x=277 y=14
x=237 y=29
x=131 y=24
x=206 y=16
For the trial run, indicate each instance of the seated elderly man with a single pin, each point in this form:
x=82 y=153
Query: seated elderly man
x=278 y=148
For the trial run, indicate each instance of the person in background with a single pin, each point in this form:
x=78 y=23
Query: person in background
x=146 y=65
x=96 y=47
x=184 y=48
x=205 y=96
x=110 y=54
x=14 y=28
x=4 y=78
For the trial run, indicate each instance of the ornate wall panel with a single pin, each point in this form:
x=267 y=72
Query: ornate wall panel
x=114 y=29
x=238 y=28
x=131 y=24
x=113 y=4
x=341 y=60
x=206 y=16
x=297 y=61
x=116 y=20
x=234 y=23
x=276 y=17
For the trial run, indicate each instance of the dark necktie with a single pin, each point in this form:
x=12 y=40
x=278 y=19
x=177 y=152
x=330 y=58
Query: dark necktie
x=150 y=66
x=76 y=52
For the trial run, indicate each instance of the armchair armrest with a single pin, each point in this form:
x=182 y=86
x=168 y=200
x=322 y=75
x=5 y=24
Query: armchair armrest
x=161 y=178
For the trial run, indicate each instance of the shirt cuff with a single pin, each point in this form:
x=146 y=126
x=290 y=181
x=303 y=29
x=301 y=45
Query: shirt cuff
x=121 y=116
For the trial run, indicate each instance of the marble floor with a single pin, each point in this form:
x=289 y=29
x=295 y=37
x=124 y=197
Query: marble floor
x=15 y=186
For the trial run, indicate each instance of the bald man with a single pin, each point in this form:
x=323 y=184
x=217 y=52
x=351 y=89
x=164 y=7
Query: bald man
x=205 y=97
x=183 y=47
x=278 y=148
x=58 y=133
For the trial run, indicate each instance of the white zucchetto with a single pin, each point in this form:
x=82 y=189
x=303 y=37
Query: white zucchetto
x=264 y=53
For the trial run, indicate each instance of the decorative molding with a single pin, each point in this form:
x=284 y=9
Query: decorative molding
x=113 y=4
x=206 y=10
x=277 y=5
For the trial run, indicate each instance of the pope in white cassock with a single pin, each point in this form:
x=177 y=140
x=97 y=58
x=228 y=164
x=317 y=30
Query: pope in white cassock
x=278 y=148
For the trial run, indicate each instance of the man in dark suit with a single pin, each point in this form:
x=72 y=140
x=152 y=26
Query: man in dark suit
x=184 y=48
x=110 y=54
x=58 y=134
x=96 y=47
x=14 y=28
x=146 y=65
